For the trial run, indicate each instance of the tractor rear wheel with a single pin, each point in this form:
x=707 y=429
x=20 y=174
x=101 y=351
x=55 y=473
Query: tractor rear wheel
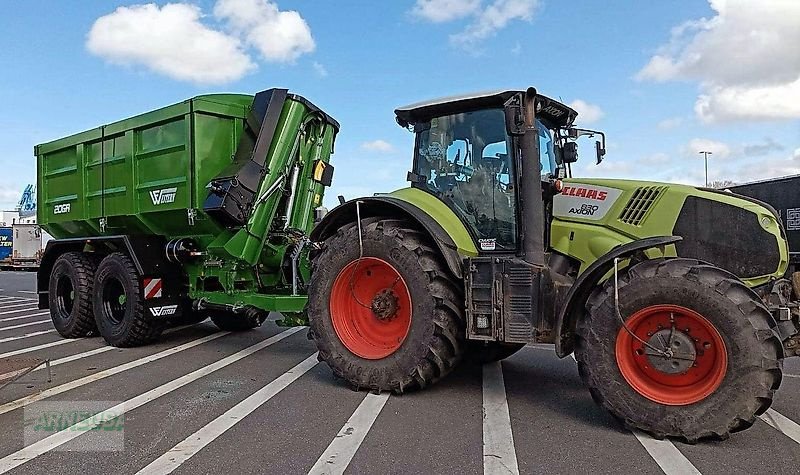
x=697 y=358
x=70 y=295
x=118 y=306
x=392 y=319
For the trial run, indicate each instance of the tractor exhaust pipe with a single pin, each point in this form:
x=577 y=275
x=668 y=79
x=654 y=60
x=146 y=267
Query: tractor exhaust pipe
x=531 y=202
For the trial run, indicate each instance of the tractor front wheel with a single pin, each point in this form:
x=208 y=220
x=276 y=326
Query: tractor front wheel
x=391 y=319
x=697 y=356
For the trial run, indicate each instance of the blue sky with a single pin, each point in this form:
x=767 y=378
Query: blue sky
x=663 y=81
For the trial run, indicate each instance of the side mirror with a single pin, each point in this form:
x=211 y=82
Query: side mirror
x=601 y=152
x=515 y=116
x=569 y=152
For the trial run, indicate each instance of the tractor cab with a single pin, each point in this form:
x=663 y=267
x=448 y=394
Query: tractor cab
x=470 y=152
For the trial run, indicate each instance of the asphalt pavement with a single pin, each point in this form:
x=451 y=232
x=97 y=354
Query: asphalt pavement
x=205 y=401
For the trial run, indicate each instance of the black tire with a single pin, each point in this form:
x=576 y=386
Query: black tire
x=480 y=353
x=233 y=322
x=753 y=349
x=70 y=295
x=118 y=306
x=435 y=341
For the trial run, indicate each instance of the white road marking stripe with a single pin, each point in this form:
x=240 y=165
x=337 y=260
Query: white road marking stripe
x=193 y=444
x=8 y=319
x=49 y=443
x=27 y=335
x=791 y=375
x=24 y=304
x=61 y=361
x=70 y=340
x=37 y=347
x=666 y=455
x=344 y=446
x=27 y=291
x=499 y=455
x=24 y=310
x=786 y=426
x=10 y=406
x=21 y=325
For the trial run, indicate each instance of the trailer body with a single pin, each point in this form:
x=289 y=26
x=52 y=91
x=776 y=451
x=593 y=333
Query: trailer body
x=210 y=199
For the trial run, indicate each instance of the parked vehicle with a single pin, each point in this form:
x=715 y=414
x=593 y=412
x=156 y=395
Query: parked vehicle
x=6 y=246
x=27 y=246
x=656 y=288
x=196 y=209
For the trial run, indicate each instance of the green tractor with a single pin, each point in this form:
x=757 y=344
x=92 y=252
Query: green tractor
x=672 y=298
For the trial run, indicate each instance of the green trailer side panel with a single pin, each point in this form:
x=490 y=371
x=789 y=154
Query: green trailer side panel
x=140 y=174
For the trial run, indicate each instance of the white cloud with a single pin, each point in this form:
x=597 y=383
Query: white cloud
x=169 y=40
x=280 y=36
x=717 y=149
x=378 y=146
x=745 y=59
x=320 y=69
x=496 y=16
x=671 y=123
x=439 y=11
x=767 y=146
x=587 y=113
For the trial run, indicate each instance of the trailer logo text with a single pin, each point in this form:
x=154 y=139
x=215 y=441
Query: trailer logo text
x=160 y=197
x=163 y=311
x=61 y=209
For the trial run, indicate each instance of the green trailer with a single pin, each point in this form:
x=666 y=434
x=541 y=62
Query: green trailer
x=202 y=208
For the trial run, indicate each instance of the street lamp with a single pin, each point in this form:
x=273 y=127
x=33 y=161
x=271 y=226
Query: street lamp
x=705 y=156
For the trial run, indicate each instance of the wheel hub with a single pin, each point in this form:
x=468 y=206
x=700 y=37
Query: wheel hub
x=671 y=351
x=385 y=304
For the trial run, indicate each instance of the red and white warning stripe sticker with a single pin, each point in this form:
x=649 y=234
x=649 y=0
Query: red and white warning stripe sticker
x=152 y=288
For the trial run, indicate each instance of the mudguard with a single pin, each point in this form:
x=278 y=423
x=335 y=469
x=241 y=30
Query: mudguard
x=578 y=294
x=388 y=205
x=146 y=252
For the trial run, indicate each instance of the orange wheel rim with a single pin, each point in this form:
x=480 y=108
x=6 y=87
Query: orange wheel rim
x=370 y=308
x=693 y=369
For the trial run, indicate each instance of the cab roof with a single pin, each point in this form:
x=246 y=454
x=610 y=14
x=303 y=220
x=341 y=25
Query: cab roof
x=551 y=111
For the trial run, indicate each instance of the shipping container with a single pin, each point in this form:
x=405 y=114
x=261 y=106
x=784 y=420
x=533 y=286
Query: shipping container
x=27 y=245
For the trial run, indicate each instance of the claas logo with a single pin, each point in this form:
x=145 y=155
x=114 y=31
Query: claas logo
x=589 y=193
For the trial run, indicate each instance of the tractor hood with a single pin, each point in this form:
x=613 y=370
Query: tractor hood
x=736 y=233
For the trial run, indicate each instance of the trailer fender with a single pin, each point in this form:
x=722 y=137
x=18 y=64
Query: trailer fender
x=146 y=252
x=392 y=207
x=572 y=310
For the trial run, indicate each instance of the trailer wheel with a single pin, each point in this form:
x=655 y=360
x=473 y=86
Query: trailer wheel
x=70 y=295
x=481 y=353
x=392 y=319
x=233 y=322
x=118 y=308
x=699 y=357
